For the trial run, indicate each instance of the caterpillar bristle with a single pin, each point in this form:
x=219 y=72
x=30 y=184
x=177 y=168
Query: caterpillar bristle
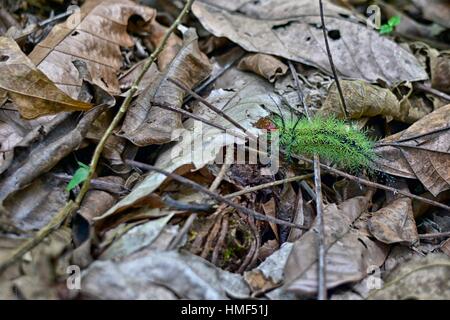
x=330 y=138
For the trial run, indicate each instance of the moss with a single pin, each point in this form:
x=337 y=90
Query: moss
x=330 y=138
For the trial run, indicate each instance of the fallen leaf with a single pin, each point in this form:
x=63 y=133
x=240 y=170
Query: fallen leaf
x=292 y=30
x=422 y=278
x=65 y=136
x=435 y=10
x=366 y=100
x=265 y=65
x=350 y=252
x=135 y=239
x=161 y=275
x=93 y=35
x=395 y=223
x=34 y=94
x=145 y=123
x=421 y=151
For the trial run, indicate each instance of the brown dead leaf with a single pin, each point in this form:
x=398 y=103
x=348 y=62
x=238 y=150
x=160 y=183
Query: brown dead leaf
x=147 y=124
x=395 y=223
x=66 y=134
x=422 y=151
x=435 y=10
x=366 y=100
x=34 y=94
x=422 y=278
x=94 y=35
x=292 y=29
x=349 y=251
x=265 y=65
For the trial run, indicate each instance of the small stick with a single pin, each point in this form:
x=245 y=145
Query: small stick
x=374 y=184
x=330 y=58
x=433 y=91
x=210 y=105
x=213 y=195
x=434 y=235
x=267 y=185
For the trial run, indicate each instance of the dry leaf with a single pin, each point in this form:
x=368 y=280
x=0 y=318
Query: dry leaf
x=161 y=275
x=147 y=124
x=66 y=135
x=422 y=151
x=435 y=10
x=350 y=252
x=292 y=29
x=93 y=35
x=265 y=65
x=34 y=94
x=395 y=223
x=422 y=278
x=366 y=100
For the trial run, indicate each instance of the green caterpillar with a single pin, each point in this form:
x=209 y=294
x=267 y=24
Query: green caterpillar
x=330 y=138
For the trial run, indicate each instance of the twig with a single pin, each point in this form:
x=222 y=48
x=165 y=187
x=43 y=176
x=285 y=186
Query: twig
x=221 y=241
x=330 y=58
x=110 y=187
x=72 y=206
x=267 y=185
x=434 y=235
x=322 y=291
x=210 y=105
x=374 y=184
x=213 y=195
x=433 y=91
x=299 y=92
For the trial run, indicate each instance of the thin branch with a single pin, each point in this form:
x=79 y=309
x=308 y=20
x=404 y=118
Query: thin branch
x=210 y=106
x=434 y=235
x=330 y=58
x=433 y=91
x=213 y=195
x=267 y=185
x=374 y=184
x=72 y=206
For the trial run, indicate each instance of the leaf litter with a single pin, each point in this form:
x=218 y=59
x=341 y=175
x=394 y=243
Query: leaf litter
x=218 y=84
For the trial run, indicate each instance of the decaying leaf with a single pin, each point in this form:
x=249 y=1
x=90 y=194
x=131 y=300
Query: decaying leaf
x=292 y=29
x=350 y=252
x=435 y=10
x=366 y=100
x=34 y=94
x=66 y=135
x=135 y=239
x=265 y=65
x=422 y=151
x=395 y=223
x=147 y=124
x=422 y=278
x=93 y=35
x=161 y=275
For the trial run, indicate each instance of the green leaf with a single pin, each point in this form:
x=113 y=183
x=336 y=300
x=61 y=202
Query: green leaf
x=79 y=176
x=385 y=29
x=394 y=21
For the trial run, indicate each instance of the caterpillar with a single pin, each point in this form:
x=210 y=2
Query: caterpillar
x=330 y=138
